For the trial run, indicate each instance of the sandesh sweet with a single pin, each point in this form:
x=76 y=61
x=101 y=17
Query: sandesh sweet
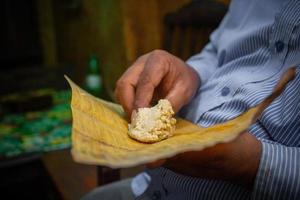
x=153 y=124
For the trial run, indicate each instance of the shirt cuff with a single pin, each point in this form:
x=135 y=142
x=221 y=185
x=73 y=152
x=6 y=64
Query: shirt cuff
x=278 y=176
x=203 y=71
x=140 y=183
x=204 y=63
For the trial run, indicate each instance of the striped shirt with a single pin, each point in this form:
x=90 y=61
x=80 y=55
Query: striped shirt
x=256 y=42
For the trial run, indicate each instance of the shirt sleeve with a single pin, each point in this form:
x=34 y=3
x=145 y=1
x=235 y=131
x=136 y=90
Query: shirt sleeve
x=206 y=62
x=278 y=176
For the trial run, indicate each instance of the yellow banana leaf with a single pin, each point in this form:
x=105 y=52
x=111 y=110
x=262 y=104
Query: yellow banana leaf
x=99 y=132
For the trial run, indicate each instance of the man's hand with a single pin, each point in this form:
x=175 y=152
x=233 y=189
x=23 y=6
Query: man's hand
x=154 y=76
x=235 y=161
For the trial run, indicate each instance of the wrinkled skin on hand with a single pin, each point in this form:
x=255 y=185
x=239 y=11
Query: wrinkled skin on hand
x=159 y=75
x=156 y=75
x=236 y=161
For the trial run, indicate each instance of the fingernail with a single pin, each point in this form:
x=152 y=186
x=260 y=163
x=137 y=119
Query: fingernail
x=133 y=114
x=138 y=104
x=141 y=103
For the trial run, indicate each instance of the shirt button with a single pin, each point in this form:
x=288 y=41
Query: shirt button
x=156 y=195
x=225 y=91
x=279 y=45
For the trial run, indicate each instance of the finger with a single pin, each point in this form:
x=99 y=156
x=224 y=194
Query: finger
x=150 y=78
x=133 y=115
x=125 y=96
x=125 y=88
x=177 y=97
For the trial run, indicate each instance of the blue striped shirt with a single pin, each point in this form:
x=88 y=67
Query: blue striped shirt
x=256 y=42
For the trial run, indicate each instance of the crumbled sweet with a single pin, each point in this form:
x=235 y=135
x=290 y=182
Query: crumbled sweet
x=153 y=124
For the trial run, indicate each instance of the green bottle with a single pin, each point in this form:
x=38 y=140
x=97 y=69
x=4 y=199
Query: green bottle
x=93 y=80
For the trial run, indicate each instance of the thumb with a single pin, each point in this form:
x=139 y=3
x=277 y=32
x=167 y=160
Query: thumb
x=146 y=86
x=177 y=97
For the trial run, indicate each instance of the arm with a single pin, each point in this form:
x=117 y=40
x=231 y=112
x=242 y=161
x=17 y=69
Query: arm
x=278 y=175
x=236 y=161
x=239 y=161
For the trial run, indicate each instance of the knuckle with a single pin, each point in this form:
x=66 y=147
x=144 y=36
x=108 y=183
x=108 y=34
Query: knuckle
x=145 y=79
x=145 y=82
x=162 y=59
x=160 y=55
x=117 y=95
x=138 y=103
x=121 y=83
x=142 y=57
x=116 y=92
x=185 y=90
x=158 y=52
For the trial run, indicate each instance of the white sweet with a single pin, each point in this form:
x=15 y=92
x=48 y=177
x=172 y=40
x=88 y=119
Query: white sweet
x=153 y=124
